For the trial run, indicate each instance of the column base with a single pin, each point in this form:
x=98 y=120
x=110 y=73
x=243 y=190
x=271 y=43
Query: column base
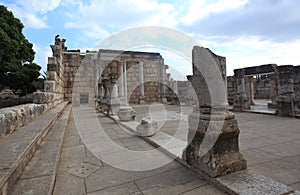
x=286 y=105
x=126 y=113
x=214 y=146
x=142 y=100
x=241 y=103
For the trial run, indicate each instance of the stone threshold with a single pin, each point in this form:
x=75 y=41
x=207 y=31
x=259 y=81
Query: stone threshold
x=244 y=182
x=18 y=148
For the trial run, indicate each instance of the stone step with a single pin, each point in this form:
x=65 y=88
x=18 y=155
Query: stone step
x=18 y=148
x=39 y=175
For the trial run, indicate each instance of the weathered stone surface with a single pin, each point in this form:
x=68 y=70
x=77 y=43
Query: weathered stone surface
x=147 y=127
x=240 y=102
x=247 y=182
x=126 y=113
x=42 y=97
x=13 y=118
x=213 y=148
x=2 y=125
x=287 y=100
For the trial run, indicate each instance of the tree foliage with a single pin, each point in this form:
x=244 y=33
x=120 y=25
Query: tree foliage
x=17 y=70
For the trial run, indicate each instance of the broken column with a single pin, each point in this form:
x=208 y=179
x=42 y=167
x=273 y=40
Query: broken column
x=241 y=101
x=213 y=148
x=286 y=101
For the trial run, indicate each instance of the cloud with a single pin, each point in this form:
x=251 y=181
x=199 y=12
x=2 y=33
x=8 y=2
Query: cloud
x=33 y=13
x=41 y=56
x=106 y=17
x=253 y=51
x=269 y=19
x=198 y=9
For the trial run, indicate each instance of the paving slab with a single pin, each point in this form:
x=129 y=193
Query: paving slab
x=128 y=188
x=206 y=189
x=247 y=182
x=174 y=181
x=256 y=156
x=69 y=185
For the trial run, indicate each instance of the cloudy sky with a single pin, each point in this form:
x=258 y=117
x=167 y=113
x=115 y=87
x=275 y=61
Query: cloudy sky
x=246 y=32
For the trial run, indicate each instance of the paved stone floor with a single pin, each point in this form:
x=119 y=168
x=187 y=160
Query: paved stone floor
x=80 y=172
x=270 y=144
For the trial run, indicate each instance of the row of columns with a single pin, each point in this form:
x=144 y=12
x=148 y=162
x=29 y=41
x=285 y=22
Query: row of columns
x=120 y=90
x=283 y=94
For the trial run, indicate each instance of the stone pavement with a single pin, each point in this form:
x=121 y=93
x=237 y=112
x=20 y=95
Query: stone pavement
x=270 y=144
x=80 y=172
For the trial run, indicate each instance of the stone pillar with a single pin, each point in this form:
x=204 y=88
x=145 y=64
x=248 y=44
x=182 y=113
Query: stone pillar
x=286 y=100
x=141 y=83
x=213 y=148
x=250 y=89
x=240 y=102
x=274 y=89
x=121 y=81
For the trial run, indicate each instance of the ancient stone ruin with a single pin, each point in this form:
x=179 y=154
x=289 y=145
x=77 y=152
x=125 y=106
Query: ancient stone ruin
x=280 y=84
x=213 y=148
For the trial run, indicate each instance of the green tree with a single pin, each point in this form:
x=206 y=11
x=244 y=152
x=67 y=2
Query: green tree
x=17 y=70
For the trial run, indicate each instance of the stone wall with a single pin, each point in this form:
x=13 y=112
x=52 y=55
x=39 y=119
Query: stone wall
x=71 y=62
x=231 y=90
x=263 y=87
x=8 y=98
x=55 y=81
x=146 y=73
x=13 y=118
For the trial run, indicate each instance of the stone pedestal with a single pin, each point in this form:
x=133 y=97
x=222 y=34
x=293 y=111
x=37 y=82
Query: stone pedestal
x=286 y=101
x=213 y=148
x=147 y=127
x=286 y=105
x=240 y=103
x=126 y=113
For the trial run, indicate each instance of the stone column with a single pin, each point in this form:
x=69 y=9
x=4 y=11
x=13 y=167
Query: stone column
x=286 y=99
x=141 y=83
x=213 y=148
x=241 y=101
x=250 y=89
x=121 y=81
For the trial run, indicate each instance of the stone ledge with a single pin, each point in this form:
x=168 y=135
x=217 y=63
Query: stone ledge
x=248 y=182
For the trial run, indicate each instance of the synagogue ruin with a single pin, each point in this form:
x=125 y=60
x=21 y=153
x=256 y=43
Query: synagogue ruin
x=112 y=80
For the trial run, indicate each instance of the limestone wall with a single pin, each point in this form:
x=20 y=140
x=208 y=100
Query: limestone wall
x=263 y=88
x=71 y=62
x=231 y=89
x=13 y=118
